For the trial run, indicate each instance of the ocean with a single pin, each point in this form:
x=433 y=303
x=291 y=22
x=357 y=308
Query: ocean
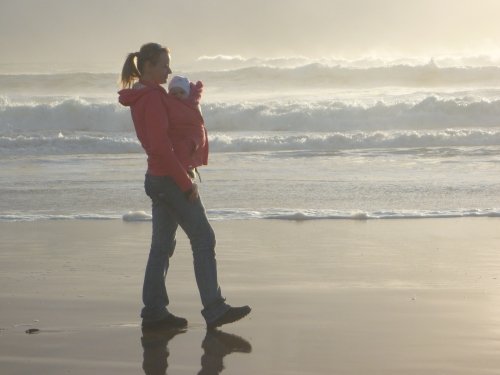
x=290 y=139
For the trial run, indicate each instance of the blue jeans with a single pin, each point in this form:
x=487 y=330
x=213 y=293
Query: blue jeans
x=170 y=210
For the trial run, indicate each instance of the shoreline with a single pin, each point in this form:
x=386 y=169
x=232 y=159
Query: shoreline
x=288 y=214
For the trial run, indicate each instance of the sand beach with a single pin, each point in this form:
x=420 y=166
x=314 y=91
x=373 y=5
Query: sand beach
x=328 y=297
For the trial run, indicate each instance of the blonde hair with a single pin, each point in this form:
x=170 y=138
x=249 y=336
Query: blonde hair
x=133 y=67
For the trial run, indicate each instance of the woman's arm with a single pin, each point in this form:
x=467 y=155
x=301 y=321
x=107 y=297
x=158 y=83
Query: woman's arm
x=159 y=144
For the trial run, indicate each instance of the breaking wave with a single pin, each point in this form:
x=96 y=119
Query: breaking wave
x=76 y=114
x=236 y=73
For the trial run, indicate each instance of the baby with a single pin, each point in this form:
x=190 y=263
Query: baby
x=180 y=87
x=187 y=128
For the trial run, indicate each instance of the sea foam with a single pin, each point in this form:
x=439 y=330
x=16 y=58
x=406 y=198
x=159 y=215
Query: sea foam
x=60 y=144
x=274 y=214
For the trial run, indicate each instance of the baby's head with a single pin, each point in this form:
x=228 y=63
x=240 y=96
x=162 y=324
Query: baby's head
x=179 y=87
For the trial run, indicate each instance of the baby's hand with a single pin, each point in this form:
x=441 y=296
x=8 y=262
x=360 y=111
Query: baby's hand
x=195 y=91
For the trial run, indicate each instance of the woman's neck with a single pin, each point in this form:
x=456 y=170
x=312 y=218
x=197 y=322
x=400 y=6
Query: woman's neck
x=148 y=78
x=147 y=82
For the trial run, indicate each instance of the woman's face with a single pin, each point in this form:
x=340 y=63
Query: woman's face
x=159 y=72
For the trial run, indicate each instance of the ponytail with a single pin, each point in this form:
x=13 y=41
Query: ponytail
x=129 y=71
x=134 y=64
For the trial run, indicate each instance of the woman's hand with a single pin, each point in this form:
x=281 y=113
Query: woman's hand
x=192 y=194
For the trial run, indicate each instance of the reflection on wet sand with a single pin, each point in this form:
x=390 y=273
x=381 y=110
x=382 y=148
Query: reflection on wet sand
x=216 y=345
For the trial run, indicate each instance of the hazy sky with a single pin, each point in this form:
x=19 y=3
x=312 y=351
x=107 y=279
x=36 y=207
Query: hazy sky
x=103 y=31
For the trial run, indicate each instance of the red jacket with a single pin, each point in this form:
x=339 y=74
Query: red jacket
x=187 y=129
x=149 y=105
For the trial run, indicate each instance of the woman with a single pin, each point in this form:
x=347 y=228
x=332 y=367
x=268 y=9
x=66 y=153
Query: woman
x=174 y=196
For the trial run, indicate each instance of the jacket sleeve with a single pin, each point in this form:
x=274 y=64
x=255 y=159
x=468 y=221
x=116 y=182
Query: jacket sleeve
x=159 y=144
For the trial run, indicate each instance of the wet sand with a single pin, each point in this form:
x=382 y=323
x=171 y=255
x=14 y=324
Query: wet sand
x=328 y=297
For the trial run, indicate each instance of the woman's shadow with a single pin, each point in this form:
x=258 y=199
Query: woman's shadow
x=216 y=345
